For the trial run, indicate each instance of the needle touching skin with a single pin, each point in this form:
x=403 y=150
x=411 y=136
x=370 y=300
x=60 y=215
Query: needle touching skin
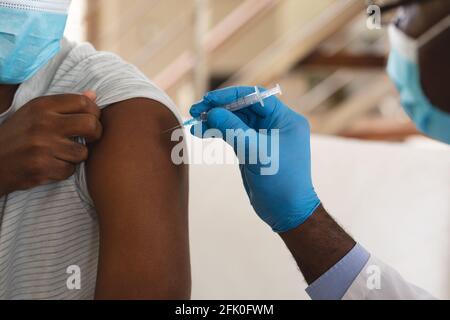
x=247 y=101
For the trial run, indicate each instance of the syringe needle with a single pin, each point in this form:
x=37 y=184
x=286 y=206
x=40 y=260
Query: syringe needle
x=239 y=104
x=173 y=129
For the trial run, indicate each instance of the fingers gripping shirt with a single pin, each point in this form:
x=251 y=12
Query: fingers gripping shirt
x=49 y=234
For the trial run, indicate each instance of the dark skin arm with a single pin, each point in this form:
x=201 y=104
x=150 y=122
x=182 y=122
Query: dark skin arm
x=142 y=201
x=318 y=244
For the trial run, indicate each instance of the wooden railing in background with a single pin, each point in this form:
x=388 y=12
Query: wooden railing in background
x=246 y=13
x=282 y=55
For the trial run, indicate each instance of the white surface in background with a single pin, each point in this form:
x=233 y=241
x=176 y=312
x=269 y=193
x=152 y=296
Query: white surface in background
x=76 y=24
x=426 y=143
x=393 y=198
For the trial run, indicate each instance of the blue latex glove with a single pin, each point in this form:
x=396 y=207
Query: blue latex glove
x=284 y=200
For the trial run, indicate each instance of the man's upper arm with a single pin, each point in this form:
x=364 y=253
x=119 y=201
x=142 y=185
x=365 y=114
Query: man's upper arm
x=141 y=198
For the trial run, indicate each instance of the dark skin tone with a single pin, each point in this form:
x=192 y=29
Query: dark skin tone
x=141 y=198
x=320 y=243
x=6 y=96
x=319 y=234
x=146 y=255
x=36 y=140
x=415 y=20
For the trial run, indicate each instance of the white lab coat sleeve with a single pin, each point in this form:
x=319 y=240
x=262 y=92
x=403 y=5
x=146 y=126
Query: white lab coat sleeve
x=378 y=281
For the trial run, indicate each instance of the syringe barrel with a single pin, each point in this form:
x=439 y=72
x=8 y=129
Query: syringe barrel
x=251 y=99
x=272 y=92
x=242 y=103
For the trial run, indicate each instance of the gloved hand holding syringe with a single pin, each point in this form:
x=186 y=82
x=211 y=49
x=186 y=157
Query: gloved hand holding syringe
x=257 y=97
x=278 y=180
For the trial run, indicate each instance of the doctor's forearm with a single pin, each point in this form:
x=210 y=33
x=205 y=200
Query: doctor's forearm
x=318 y=244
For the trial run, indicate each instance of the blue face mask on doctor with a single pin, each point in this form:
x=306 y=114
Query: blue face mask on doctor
x=30 y=36
x=404 y=70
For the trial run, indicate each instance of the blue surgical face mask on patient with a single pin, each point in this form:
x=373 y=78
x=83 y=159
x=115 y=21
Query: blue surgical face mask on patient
x=30 y=36
x=404 y=70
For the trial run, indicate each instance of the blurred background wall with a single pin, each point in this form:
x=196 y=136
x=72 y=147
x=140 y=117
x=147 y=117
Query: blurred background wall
x=330 y=64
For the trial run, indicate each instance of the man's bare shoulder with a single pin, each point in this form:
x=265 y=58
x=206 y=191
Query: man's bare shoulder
x=141 y=198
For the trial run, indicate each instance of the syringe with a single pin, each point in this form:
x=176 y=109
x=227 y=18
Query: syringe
x=257 y=97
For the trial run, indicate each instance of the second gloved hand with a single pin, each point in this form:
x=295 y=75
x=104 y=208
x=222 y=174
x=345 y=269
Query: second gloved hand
x=284 y=199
